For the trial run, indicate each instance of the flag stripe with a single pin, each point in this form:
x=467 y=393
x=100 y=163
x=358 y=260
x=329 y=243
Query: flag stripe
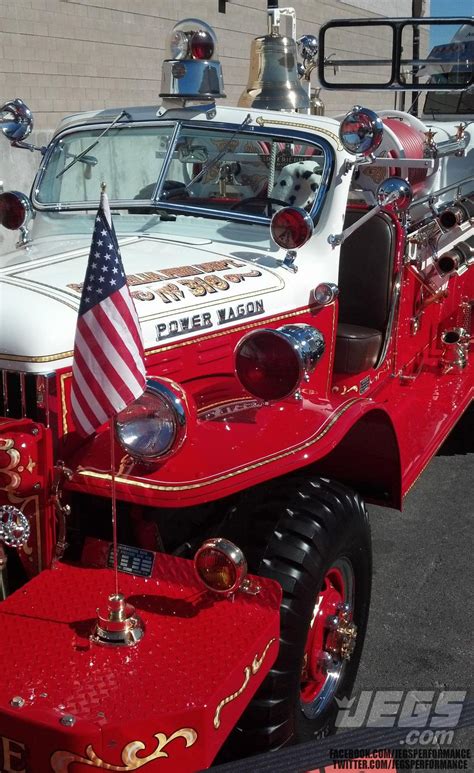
x=82 y=399
x=98 y=371
x=124 y=368
x=89 y=383
x=85 y=419
x=124 y=303
x=122 y=327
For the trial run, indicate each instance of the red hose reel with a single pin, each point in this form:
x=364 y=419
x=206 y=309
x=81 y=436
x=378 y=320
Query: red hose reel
x=411 y=145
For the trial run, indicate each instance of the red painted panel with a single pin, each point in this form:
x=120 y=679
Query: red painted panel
x=25 y=479
x=118 y=696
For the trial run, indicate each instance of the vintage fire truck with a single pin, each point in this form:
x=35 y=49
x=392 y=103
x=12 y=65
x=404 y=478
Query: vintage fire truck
x=305 y=289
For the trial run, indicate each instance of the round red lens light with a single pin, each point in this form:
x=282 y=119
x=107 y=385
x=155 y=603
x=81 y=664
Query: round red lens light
x=216 y=570
x=202 y=45
x=267 y=365
x=291 y=227
x=220 y=565
x=13 y=210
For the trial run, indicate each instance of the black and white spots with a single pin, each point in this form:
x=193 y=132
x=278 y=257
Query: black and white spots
x=297 y=183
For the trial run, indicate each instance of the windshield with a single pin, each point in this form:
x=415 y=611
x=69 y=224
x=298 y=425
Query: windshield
x=189 y=169
x=449 y=103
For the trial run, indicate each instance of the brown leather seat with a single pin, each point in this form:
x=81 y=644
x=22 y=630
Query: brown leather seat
x=365 y=286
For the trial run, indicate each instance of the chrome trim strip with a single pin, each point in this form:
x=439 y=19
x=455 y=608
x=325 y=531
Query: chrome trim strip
x=42 y=397
x=436 y=194
x=5 y=393
x=252 y=131
x=22 y=394
x=27 y=396
x=391 y=318
x=164 y=168
x=142 y=484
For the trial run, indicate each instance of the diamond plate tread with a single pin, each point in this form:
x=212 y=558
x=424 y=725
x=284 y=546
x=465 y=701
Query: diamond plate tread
x=192 y=644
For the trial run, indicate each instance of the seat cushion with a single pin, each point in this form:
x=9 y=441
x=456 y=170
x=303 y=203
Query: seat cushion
x=357 y=348
x=366 y=271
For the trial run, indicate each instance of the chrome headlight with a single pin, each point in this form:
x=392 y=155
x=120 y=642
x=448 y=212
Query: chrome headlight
x=154 y=426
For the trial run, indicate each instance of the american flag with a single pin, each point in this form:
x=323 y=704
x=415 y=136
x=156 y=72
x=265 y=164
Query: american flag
x=108 y=369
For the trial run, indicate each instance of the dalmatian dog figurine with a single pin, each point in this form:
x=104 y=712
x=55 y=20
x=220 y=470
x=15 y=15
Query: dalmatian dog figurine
x=297 y=184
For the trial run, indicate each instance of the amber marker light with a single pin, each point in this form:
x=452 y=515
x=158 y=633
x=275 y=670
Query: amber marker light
x=220 y=566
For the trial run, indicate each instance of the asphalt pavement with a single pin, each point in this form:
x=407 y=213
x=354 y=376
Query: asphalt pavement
x=420 y=631
x=419 y=637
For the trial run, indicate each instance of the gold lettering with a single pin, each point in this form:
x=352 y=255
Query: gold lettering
x=216 y=281
x=236 y=278
x=13 y=756
x=197 y=287
x=170 y=292
x=175 y=273
x=151 y=276
x=147 y=276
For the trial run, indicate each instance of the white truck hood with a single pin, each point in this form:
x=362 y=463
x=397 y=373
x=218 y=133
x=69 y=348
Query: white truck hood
x=180 y=290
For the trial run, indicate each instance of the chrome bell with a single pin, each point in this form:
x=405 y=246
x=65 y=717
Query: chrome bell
x=273 y=82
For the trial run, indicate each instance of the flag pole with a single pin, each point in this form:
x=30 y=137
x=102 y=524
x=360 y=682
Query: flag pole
x=117 y=624
x=114 y=504
x=103 y=190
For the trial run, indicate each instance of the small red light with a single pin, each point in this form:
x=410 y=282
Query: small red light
x=216 y=570
x=202 y=45
x=13 y=211
x=291 y=227
x=267 y=365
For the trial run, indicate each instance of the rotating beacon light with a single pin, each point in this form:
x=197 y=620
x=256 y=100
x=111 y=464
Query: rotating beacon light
x=193 y=72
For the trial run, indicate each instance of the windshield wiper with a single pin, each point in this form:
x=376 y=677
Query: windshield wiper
x=89 y=160
x=173 y=191
x=96 y=142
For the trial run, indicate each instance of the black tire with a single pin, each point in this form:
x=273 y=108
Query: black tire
x=298 y=528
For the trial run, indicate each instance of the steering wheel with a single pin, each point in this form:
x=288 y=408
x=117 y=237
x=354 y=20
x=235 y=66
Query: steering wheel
x=258 y=204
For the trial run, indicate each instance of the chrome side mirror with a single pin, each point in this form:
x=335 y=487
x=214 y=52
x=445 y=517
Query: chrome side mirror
x=16 y=120
x=16 y=123
x=308 y=48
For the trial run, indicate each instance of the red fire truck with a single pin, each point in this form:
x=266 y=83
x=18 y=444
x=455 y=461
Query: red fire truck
x=305 y=288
